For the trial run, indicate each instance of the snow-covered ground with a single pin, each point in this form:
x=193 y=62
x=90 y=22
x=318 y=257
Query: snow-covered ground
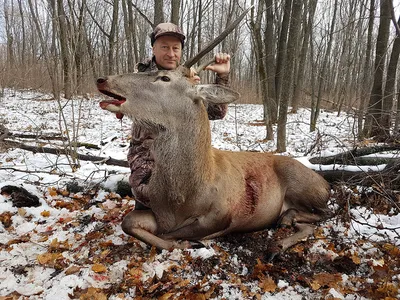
x=72 y=245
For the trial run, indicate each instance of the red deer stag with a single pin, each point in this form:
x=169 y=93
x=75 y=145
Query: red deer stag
x=193 y=190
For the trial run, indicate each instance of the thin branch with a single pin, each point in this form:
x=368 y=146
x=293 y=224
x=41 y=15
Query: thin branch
x=143 y=15
x=94 y=159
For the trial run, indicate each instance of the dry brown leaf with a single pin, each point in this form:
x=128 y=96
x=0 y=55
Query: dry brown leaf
x=259 y=268
x=22 y=239
x=136 y=274
x=108 y=243
x=153 y=253
x=55 y=245
x=93 y=235
x=319 y=233
x=389 y=289
x=42 y=239
x=5 y=218
x=267 y=285
x=105 y=253
x=325 y=279
x=52 y=192
x=355 y=258
x=166 y=296
x=45 y=213
x=72 y=270
x=392 y=249
x=48 y=258
x=93 y=294
x=99 y=268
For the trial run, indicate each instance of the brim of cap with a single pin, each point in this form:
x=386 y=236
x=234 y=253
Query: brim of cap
x=181 y=37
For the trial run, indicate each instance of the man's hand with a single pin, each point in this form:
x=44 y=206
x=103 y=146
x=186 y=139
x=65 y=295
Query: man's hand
x=222 y=64
x=193 y=76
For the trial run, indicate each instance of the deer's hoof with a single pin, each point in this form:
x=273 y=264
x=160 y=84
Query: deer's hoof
x=272 y=253
x=196 y=245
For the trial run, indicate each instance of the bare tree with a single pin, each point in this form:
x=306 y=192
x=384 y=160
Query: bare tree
x=64 y=47
x=175 y=7
x=262 y=75
x=287 y=82
x=373 y=123
x=365 y=89
x=282 y=45
x=389 y=92
x=307 y=27
x=315 y=109
x=158 y=11
x=50 y=65
x=269 y=44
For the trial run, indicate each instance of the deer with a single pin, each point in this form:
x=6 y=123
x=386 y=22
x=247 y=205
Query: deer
x=196 y=192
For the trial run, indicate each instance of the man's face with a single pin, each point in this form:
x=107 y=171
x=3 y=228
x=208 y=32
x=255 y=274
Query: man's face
x=167 y=51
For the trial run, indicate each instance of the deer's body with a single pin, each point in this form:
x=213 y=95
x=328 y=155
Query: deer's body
x=193 y=190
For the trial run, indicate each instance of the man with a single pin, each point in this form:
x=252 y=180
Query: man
x=167 y=41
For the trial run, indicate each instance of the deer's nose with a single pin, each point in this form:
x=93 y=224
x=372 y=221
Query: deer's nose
x=101 y=80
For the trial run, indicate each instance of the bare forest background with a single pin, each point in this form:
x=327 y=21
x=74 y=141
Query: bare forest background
x=334 y=54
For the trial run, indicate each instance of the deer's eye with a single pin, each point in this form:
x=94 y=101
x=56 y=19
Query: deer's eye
x=164 y=78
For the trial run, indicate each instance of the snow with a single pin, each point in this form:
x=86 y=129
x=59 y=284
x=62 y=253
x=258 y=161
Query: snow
x=28 y=111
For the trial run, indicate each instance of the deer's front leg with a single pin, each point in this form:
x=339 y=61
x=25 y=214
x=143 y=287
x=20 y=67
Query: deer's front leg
x=142 y=225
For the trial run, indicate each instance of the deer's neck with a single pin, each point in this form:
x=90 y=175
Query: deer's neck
x=183 y=155
x=170 y=164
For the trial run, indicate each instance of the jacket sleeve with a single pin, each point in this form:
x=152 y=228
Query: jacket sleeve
x=218 y=111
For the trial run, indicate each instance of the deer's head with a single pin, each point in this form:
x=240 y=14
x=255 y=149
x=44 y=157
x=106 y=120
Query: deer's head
x=160 y=97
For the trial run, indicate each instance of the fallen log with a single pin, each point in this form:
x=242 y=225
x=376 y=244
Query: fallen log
x=348 y=157
x=58 y=151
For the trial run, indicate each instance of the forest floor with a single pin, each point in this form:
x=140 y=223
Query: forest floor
x=71 y=245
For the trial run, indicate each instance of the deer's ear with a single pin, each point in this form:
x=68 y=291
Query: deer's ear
x=217 y=94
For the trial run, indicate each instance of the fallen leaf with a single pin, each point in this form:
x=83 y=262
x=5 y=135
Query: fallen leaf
x=48 y=258
x=5 y=219
x=55 y=245
x=166 y=296
x=52 y=192
x=99 y=268
x=72 y=270
x=355 y=258
x=93 y=294
x=325 y=279
x=45 y=213
x=392 y=249
x=267 y=285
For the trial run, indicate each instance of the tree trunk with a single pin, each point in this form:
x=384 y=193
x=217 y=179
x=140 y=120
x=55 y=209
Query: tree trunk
x=158 y=12
x=112 y=39
x=127 y=14
x=287 y=82
x=315 y=110
x=281 y=52
x=389 y=92
x=269 y=42
x=374 y=120
x=303 y=55
x=64 y=49
x=24 y=37
x=52 y=71
x=175 y=7
x=256 y=30
x=366 y=72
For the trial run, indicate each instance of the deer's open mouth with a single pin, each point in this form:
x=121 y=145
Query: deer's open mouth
x=112 y=104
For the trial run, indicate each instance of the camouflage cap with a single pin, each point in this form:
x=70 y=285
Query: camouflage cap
x=170 y=29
